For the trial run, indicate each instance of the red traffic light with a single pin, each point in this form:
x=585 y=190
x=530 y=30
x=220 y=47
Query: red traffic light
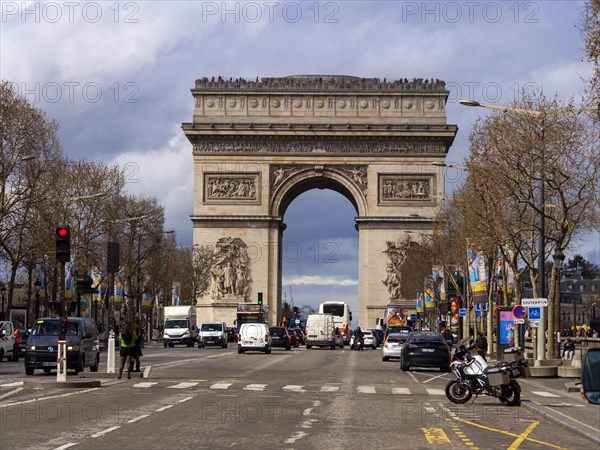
x=62 y=232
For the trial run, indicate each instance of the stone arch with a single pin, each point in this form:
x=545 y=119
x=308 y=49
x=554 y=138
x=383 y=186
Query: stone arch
x=316 y=178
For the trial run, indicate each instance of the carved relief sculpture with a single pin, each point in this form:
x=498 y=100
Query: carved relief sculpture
x=397 y=188
x=280 y=173
x=358 y=175
x=230 y=270
x=220 y=187
x=396 y=252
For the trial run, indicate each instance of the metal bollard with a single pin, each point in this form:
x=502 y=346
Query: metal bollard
x=110 y=358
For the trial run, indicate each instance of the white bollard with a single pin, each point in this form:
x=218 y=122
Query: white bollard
x=110 y=358
x=61 y=361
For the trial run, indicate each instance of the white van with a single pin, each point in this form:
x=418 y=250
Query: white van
x=320 y=331
x=254 y=336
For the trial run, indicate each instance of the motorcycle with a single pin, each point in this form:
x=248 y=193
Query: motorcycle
x=359 y=343
x=475 y=377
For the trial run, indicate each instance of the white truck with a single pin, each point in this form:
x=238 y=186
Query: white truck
x=180 y=326
x=7 y=340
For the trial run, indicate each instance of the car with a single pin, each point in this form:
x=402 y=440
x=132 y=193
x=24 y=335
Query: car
x=425 y=349
x=22 y=346
x=397 y=329
x=590 y=376
x=293 y=338
x=7 y=341
x=213 y=333
x=254 y=336
x=233 y=332
x=369 y=340
x=83 y=348
x=339 y=339
x=380 y=336
x=280 y=337
x=393 y=345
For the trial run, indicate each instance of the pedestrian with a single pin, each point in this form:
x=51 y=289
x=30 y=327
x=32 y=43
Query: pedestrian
x=137 y=348
x=127 y=340
x=568 y=348
x=448 y=337
x=481 y=345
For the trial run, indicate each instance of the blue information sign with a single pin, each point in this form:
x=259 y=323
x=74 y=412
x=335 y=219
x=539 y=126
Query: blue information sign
x=462 y=312
x=413 y=317
x=535 y=313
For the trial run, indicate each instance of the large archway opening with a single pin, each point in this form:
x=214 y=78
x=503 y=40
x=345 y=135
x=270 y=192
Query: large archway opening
x=319 y=252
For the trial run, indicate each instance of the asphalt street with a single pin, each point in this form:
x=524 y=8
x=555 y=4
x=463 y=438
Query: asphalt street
x=215 y=398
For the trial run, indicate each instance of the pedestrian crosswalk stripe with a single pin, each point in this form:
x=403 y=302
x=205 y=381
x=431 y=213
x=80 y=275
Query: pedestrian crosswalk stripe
x=145 y=384
x=330 y=388
x=182 y=385
x=255 y=387
x=432 y=391
x=401 y=391
x=16 y=383
x=294 y=388
x=220 y=385
x=544 y=394
x=366 y=389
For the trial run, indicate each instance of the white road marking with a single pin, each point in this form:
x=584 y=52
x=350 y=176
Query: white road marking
x=145 y=384
x=255 y=387
x=293 y=388
x=330 y=388
x=219 y=355
x=437 y=376
x=413 y=377
x=431 y=391
x=401 y=391
x=135 y=419
x=182 y=385
x=184 y=399
x=14 y=391
x=63 y=447
x=103 y=432
x=163 y=408
x=429 y=409
x=297 y=435
x=366 y=389
x=16 y=383
x=544 y=394
x=85 y=391
x=220 y=385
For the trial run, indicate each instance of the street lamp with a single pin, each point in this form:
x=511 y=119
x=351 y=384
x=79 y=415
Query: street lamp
x=37 y=286
x=3 y=293
x=559 y=258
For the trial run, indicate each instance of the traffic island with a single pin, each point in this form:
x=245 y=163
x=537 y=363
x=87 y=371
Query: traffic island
x=107 y=375
x=53 y=384
x=547 y=368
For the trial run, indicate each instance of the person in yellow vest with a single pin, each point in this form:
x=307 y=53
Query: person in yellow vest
x=127 y=341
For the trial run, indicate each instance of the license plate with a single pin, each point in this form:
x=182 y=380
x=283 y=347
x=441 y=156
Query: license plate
x=429 y=350
x=49 y=364
x=248 y=342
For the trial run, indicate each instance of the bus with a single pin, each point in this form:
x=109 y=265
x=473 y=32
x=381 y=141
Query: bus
x=342 y=316
x=250 y=313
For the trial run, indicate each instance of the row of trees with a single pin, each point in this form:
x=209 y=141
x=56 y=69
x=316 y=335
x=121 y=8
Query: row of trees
x=535 y=163
x=41 y=189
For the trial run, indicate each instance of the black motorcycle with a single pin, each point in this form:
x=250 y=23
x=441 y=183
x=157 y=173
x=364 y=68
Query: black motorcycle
x=359 y=343
x=475 y=377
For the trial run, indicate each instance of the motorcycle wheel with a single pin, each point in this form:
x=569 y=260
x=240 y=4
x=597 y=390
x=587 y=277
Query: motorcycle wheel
x=457 y=393
x=511 y=394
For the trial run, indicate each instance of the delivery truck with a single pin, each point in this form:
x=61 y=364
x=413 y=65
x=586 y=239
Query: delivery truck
x=180 y=326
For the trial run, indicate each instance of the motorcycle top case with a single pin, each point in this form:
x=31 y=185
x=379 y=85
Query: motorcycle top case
x=496 y=376
x=513 y=354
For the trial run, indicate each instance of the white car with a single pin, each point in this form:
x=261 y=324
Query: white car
x=393 y=345
x=369 y=340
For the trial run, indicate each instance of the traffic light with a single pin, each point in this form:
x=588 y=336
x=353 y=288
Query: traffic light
x=62 y=332
x=63 y=244
x=260 y=298
x=295 y=311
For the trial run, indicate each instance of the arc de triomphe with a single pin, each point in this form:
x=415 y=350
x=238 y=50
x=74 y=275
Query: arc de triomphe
x=257 y=145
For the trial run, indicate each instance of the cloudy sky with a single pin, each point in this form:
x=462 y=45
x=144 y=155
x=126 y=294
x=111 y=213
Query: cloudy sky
x=117 y=76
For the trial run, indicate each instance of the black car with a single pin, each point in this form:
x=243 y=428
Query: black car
x=280 y=337
x=425 y=349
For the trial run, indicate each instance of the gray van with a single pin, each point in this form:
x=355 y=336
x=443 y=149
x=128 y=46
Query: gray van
x=83 y=349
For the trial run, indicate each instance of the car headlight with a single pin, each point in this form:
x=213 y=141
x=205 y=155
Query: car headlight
x=32 y=348
x=73 y=348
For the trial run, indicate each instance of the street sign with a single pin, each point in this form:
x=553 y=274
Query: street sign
x=534 y=313
x=413 y=317
x=462 y=312
x=519 y=312
x=518 y=321
x=534 y=302
x=534 y=323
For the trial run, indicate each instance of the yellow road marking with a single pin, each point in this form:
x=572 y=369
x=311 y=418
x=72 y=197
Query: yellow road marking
x=508 y=433
x=435 y=436
x=523 y=436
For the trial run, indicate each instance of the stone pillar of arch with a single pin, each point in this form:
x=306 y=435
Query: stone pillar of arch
x=257 y=145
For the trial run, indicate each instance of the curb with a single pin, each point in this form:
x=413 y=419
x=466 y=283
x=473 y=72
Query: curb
x=45 y=384
x=537 y=408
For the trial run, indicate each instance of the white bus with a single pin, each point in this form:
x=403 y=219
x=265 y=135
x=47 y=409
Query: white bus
x=342 y=316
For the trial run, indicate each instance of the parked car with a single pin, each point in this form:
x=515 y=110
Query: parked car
x=369 y=340
x=254 y=336
x=83 y=349
x=280 y=337
x=393 y=345
x=425 y=349
x=293 y=338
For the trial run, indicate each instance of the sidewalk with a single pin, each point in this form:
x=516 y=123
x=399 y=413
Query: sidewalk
x=566 y=409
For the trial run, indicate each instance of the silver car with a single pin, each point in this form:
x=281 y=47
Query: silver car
x=393 y=345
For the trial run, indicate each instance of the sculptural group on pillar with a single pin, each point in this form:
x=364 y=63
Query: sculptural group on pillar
x=396 y=253
x=230 y=269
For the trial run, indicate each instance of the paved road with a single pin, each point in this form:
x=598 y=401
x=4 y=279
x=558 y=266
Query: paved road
x=215 y=398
